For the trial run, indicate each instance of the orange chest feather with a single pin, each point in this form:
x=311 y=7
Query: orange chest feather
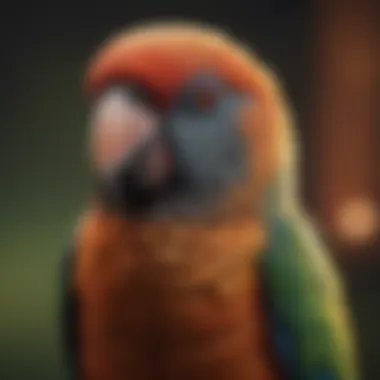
x=166 y=255
x=187 y=291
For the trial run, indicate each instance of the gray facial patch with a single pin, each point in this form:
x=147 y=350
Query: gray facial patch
x=208 y=147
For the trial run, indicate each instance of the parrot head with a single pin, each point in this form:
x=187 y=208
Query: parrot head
x=183 y=122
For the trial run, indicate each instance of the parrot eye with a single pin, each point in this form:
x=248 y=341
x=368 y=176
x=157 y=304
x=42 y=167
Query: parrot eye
x=201 y=93
x=205 y=99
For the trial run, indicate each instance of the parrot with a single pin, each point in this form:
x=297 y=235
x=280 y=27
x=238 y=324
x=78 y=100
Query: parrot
x=195 y=259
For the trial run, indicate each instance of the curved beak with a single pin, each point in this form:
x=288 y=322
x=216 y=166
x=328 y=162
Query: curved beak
x=127 y=141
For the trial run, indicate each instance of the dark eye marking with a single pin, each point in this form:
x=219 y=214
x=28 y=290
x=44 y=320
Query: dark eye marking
x=201 y=92
x=205 y=98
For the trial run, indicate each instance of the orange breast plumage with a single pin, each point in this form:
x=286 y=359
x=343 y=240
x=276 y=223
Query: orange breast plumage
x=163 y=301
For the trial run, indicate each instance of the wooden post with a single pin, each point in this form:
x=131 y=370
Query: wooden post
x=345 y=119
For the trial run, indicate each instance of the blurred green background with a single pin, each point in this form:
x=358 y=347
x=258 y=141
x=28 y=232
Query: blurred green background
x=44 y=181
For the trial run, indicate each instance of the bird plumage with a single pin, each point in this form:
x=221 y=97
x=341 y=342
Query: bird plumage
x=237 y=292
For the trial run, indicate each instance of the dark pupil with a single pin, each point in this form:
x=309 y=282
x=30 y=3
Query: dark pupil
x=205 y=99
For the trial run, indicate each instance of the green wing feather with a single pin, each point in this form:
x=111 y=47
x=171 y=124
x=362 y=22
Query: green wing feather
x=305 y=292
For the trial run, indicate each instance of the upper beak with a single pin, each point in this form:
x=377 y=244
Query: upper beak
x=127 y=139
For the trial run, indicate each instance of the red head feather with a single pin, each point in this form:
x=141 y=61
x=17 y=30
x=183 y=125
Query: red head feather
x=164 y=55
